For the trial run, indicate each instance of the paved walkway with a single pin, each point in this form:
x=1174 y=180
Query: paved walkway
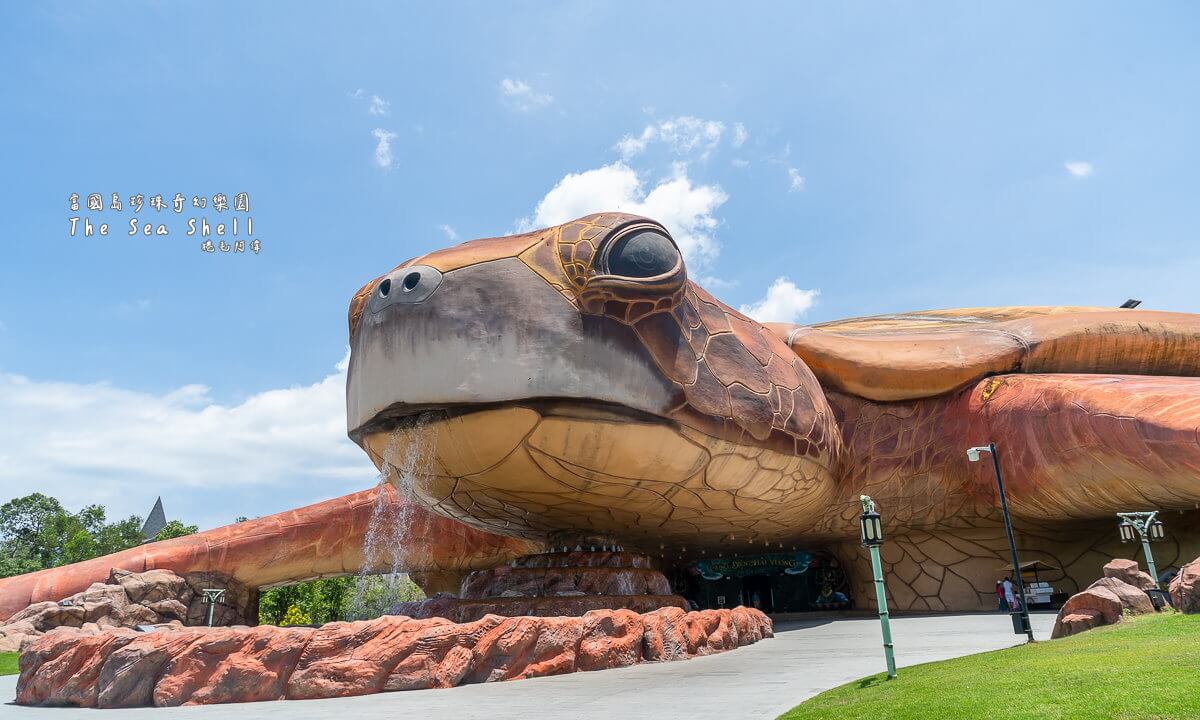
x=759 y=681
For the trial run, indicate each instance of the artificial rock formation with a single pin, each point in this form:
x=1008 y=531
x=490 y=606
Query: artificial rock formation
x=120 y=668
x=1104 y=602
x=1185 y=588
x=1129 y=572
x=565 y=574
x=459 y=610
x=127 y=600
x=554 y=584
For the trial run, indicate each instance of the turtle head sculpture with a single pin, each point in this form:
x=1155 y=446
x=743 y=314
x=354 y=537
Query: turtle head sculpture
x=574 y=380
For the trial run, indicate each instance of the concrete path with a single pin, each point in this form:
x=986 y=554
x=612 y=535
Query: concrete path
x=759 y=681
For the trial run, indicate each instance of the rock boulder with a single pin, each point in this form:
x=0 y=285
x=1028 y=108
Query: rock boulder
x=1185 y=588
x=467 y=610
x=1104 y=602
x=196 y=666
x=1133 y=600
x=1128 y=571
x=129 y=599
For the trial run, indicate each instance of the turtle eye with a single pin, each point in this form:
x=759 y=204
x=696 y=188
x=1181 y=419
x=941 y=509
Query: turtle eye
x=642 y=254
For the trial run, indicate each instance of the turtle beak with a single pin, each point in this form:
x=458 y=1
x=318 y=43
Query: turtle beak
x=493 y=332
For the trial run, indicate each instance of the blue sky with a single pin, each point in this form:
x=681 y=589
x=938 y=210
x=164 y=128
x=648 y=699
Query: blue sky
x=881 y=157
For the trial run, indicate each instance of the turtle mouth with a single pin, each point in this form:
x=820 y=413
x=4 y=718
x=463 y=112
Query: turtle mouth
x=402 y=415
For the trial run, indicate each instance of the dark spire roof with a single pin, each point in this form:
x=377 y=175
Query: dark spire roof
x=155 y=521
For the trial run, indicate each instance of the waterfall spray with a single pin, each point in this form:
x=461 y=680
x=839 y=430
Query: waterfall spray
x=390 y=534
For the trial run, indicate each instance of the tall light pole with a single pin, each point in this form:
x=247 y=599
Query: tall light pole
x=973 y=456
x=1149 y=528
x=872 y=537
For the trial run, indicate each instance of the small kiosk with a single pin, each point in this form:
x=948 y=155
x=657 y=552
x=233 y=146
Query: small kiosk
x=1038 y=593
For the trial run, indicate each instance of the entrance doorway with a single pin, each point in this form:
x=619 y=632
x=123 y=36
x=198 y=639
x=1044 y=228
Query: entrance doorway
x=756 y=589
x=770 y=582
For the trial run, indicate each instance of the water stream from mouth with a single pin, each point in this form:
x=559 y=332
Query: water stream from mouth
x=381 y=581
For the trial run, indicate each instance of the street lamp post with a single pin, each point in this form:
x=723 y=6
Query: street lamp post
x=973 y=456
x=1149 y=528
x=212 y=596
x=872 y=537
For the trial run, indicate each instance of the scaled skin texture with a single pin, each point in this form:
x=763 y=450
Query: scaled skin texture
x=553 y=397
x=571 y=385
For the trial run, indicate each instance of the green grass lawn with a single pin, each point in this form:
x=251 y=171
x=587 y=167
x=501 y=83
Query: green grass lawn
x=8 y=663
x=1146 y=668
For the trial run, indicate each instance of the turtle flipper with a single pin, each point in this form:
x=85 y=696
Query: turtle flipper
x=1072 y=447
x=318 y=540
x=926 y=354
x=1084 y=446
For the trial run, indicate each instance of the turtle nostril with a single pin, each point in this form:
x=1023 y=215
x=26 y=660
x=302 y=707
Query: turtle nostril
x=406 y=286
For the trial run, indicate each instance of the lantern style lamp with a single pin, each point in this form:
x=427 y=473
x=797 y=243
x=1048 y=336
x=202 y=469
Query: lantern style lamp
x=871 y=529
x=1144 y=526
x=872 y=537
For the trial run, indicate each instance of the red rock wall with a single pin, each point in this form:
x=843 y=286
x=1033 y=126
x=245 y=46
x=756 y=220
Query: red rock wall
x=199 y=666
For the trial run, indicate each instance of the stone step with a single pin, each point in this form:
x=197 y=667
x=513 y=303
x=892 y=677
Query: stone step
x=461 y=610
x=507 y=581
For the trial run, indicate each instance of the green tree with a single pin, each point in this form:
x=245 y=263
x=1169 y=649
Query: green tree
x=16 y=563
x=295 y=616
x=175 y=529
x=27 y=524
x=37 y=532
x=337 y=598
x=322 y=600
x=119 y=535
x=374 y=595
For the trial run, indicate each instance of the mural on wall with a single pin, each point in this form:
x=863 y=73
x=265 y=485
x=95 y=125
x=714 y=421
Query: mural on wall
x=833 y=587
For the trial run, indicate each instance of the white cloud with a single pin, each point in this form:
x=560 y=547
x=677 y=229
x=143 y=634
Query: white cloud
x=684 y=208
x=1078 y=168
x=797 y=183
x=451 y=233
x=739 y=135
x=357 y=94
x=784 y=302
x=520 y=96
x=684 y=135
x=96 y=443
x=739 y=163
x=383 y=149
x=630 y=146
x=379 y=106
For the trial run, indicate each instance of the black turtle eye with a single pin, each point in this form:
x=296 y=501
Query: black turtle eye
x=642 y=254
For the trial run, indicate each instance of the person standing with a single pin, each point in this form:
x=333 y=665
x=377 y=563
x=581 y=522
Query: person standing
x=1009 y=598
x=1001 y=601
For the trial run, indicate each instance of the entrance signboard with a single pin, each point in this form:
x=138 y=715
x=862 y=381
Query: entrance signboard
x=794 y=563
